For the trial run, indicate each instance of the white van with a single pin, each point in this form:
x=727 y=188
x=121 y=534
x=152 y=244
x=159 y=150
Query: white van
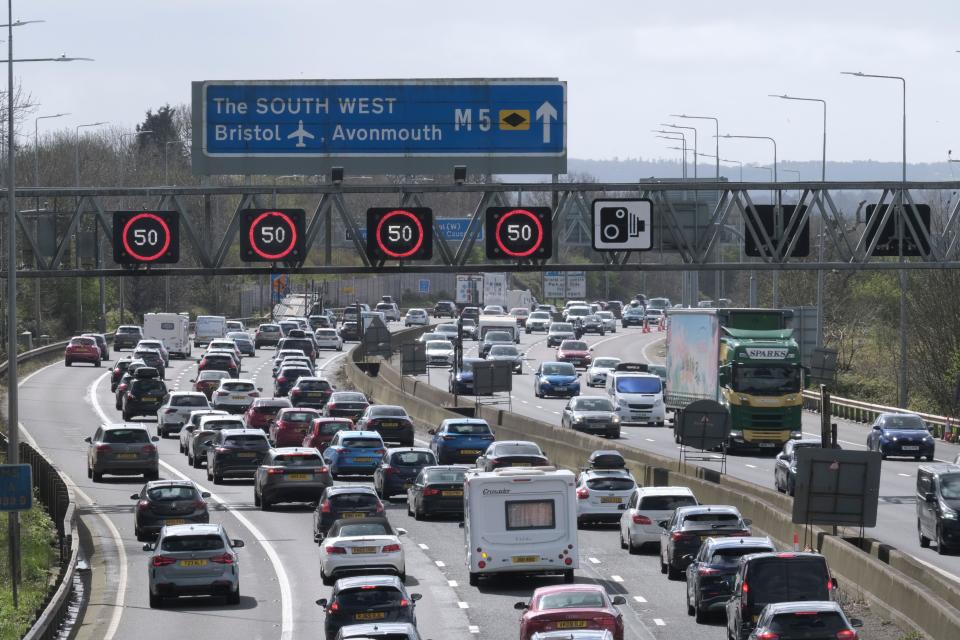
x=637 y=394
x=209 y=328
x=520 y=520
x=173 y=329
x=498 y=323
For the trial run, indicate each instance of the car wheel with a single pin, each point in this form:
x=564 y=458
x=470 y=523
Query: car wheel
x=633 y=549
x=673 y=574
x=663 y=565
x=623 y=545
x=924 y=540
x=67 y=363
x=197 y=463
x=700 y=614
x=156 y=602
x=234 y=596
x=325 y=579
x=89 y=472
x=256 y=498
x=97 y=477
x=690 y=608
x=941 y=546
x=152 y=475
x=418 y=514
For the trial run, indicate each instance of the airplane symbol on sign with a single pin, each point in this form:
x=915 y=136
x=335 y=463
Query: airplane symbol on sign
x=300 y=134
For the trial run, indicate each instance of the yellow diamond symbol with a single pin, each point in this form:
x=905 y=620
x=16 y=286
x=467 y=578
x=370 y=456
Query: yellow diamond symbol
x=515 y=119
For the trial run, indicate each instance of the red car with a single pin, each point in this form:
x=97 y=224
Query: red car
x=291 y=425
x=219 y=362
x=322 y=430
x=571 y=607
x=82 y=349
x=576 y=352
x=263 y=411
x=521 y=314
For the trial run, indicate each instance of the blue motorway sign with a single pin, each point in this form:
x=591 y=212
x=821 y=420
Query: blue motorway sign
x=16 y=488
x=385 y=126
x=453 y=229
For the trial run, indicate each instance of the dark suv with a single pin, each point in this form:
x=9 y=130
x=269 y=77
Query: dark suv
x=710 y=575
x=445 y=308
x=348 y=501
x=399 y=468
x=938 y=503
x=127 y=337
x=152 y=358
x=682 y=534
x=144 y=396
x=381 y=599
x=235 y=452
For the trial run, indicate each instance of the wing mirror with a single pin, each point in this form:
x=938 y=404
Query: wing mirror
x=747 y=521
x=662 y=524
x=619 y=600
x=155 y=439
x=460 y=524
x=401 y=532
x=856 y=622
x=236 y=544
x=87 y=439
x=207 y=443
x=432 y=432
x=415 y=596
x=148 y=547
x=135 y=496
x=205 y=494
x=322 y=602
x=521 y=606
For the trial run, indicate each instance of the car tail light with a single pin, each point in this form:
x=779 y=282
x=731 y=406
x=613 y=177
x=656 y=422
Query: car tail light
x=104 y=448
x=707 y=571
x=389 y=471
x=430 y=491
x=331 y=405
x=639 y=519
x=335 y=550
x=224 y=558
x=847 y=634
x=143 y=505
x=679 y=536
x=223 y=393
x=583 y=493
x=199 y=504
x=767 y=635
x=380 y=452
x=335 y=607
x=202 y=364
x=745 y=588
x=391 y=548
x=123 y=387
x=254 y=394
x=325 y=507
x=404 y=603
x=276 y=471
x=162 y=561
x=116 y=370
x=281 y=379
x=379 y=507
x=148 y=448
x=449 y=437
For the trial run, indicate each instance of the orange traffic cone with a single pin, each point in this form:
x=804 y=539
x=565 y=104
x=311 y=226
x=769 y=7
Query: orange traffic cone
x=661 y=326
x=646 y=326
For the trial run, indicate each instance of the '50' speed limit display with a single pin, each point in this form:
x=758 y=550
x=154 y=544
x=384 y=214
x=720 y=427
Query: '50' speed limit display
x=272 y=235
x=146 y=237
x=400 y=234
x=519 y=233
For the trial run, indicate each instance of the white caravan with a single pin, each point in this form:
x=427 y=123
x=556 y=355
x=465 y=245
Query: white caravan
x=173 y=329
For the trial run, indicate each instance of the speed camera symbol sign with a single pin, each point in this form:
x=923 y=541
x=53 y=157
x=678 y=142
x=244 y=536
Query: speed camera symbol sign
x=622 y=225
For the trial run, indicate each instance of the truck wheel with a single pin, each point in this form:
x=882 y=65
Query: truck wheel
x=474 y=579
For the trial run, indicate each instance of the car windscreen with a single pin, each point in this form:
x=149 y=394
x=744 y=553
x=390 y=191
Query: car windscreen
x=578 y=311
x=326 y=333
x=539 y=315
x=730 y=556
x=388 y=411
x=348 y=500
x=351 y=397
x=189 y=401
x=412 y=459
x=499 y=336
x=504 y=350
x=593 y=404
x=468 y=429
x=267 y=409
x=440 y=476
x=370 y=597
x=561 y=327
x=211 y=542
x=605 y=363
x=559 y=369
x=950 y=486
x=904 y=422
x=665 y=503
x=362 y=443
x=330 y=428
x=518 y=450
x=298 y=416
x=213 y=375
x=314 y=385
x=439 y=345
x=217 y=425
x=128 y=329
x=788 y=580
x=638 y=384
x=248 y=440
x=298 y=460
x=172 y=492
x=82 y=342
x=361 y=529
x=708 y=520
x=611 y=484
x=304 y=344
x=126 y=436
x=573 y=345
x=572 y=600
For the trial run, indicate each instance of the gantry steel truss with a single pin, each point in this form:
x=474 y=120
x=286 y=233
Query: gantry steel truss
x=849 y=244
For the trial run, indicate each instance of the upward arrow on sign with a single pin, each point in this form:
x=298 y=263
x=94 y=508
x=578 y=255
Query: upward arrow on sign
x=546 y=112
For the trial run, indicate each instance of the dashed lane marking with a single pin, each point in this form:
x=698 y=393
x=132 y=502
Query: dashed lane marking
x=593 y=560
x=659 y=622
x=750 y=466
x=473 y=629
x=640 y=599
x=463 y=605
x=452 y=584
x=616 y=578
x=439 y=563
x=423 y=546
x=649 y=439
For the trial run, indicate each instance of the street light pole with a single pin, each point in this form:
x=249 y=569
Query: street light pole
x=716 y=124
x=902 y=388
x=80 y=280
x=122 y=154
x=675 y=135
x=695 y=153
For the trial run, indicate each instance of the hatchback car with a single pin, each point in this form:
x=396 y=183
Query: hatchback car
x=682 y=534
x=244 y=342
x=290 y=474
x=328 y=338
x=287 y=377
x=398 y=469
x=122 y=450
x=566 y=607
x=901 y=434
x=492 y=338
x=291 y=425
x=647 y=507
x=576 y=352
x=127 y=336
x=592 y=324
x=267 y=334
x=591 y=414
x=144 y=396
x=469 y=329
x=152 y=358
x=323 y=429
x=207 y=382
x=101 y=341
x=632 y=317
x=785 y=467
x=599 y=369
x=602 y=494
x=507 y=353
x=556 y=379
x=349 y=331
x=346 y=404
x=263 y=411
x=310 y=392
x=82 y=349
x=235 y=395
x=538 y=321
x=608 y=319
x=177 y=409
x=156 y=345
x=379 y=631
x=194 y=559
x=204 y=433
x=166 y=503
x=190 y=426
x=219 y=362
x=354 y=453
x=235 y=453
x=390 y=421
x=416 y=318
x=120 y=368
x=460 y=440
x=445 y=309
x=437 y=490
x=362 y=546
x=345 y=502
x=367 y=599
x=447 y=332
x=710 y=576
x=805 y=620
x=439 y=353
x=460 y=380
x=512 y=453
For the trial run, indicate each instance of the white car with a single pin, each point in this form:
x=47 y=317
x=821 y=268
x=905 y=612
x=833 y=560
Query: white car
x=609 y=320
x=235 y=396
x=186 y=433
x=159 y=346
x=235 y=325
x=601 y=494
x=597 y=372
x=439 y=353
x=538 y=321
x=390 y=311
x=363 y=547
x=328 y=339
x=648 y=506
x=177 y=409
x=416 y=317
x=228 y=345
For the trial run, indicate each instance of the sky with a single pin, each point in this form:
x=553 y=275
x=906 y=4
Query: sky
x=627 y=64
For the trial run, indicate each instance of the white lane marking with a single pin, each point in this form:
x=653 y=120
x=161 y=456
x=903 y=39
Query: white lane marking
x=557 y=412
x=750 y=466
x=452 y=583
x=905 y=475
x=646 y=356
x=659 y=622
x=593 y=560
x=539 y=407
x=640 y=599
x=283 y=580
x=423 y=546
x=524 y=402
x=649 y=439
x=616 y=578
x=463 y=605
x=473 y=629
x=439 y=563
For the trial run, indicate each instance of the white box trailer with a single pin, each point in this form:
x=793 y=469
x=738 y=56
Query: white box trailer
x=173 y=329
x=520 y=520
x=498 y=323
x=208 y=328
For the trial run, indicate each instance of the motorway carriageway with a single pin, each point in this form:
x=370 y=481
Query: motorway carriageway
x=896 y=519
x=280 y=578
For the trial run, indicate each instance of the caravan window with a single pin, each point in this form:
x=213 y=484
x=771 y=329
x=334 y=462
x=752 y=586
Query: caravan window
x=530 y=514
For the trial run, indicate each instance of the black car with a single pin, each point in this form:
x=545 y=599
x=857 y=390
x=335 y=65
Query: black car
x=235 y=452
x=349 y=332
x=346 y=404
x=495 y=337
x=152 y=358
x=367 y=599
x=512 y=453
x=785 y=468
x=682 y=534
x=445 y=308
x=168 y=502
x=471 y=312
x=710 y=576
x=287 y=377
x=632 y=316
x=398 y=469
x=344 y=502
x=127 y=337
x=591 y=324
x=807 y=620
x=119 y=368
x=437 y=490
x=938 y=503
x=767 y=578
x=616 y=308
x=124 y=383
x=145 y=394
x=303 y=343
x=310 y=392
x=390 y=421
x=219 y=362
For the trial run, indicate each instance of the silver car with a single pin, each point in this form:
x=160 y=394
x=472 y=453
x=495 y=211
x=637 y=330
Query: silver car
x=209 y=425
x=439 y=353
x=591 y=414
x=244 y=342
x=193 y=559
x=509 y=353
x=609 y=320
x=538 y=321
x=290 y=474
x=122 y=450
x=177 y=409
x=190 y=426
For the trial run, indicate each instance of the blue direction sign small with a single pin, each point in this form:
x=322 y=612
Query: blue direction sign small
x=16 y=488
x=387 y=126
x=423 y=286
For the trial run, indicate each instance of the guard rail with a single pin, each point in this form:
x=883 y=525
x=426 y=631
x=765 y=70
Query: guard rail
x=944 y=427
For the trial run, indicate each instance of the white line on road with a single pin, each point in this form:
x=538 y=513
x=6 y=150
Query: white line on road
x=539 y=407
x=649 y=439
x=452 y=583
x=423 y=546
x=439 y=563
x=616 y=578
x=524 y=402
x=905 y=475
x=659 y=622
x=473 y=629
x=640 y=599
x=750 y=466
x=593 y=560
x=463 y=605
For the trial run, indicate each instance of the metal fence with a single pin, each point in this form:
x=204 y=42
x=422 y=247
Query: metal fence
x=944 y=427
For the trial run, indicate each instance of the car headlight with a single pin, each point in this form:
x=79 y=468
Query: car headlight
x=736 y=434
x=745 y=399
x=927 y=439
x=894 y=438
x=578 y=418
x=616 y=419
x=948 y=513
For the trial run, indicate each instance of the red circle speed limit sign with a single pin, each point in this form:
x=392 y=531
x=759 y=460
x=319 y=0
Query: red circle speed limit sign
x=146 y=237
x=400 y=234
x=519 y=232
x=272 y=235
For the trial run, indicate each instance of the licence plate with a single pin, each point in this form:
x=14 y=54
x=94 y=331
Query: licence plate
x=520 y=464
x=525 y=559
x=911 y=448
x=352 y=514
x=149 y=399
x=391 y=425
x=363 y=550
x=451 y=494
x=613 y=499
x=174 y=521
x=363 y=459
x=126 y=456
x=370 y=615
x=246 y=454
x=193 y=563
x=315 y=394
x=767 y=445
x=571 y=624
x=470 y=451
x=299 y=476
x=237 y=397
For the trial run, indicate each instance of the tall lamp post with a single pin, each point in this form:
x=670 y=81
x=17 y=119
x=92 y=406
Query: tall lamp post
x=675 y=135
x=80 y=280
x=36 y=183
x=695 y=153
x=716 y=125
x=903 y=394
x=130 y=134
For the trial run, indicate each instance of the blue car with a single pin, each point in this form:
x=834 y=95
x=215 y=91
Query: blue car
x=460 y=440
x=461 y=382
x=354 y=453
x=399 y=467
x=556 y=379
x=901 y=434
